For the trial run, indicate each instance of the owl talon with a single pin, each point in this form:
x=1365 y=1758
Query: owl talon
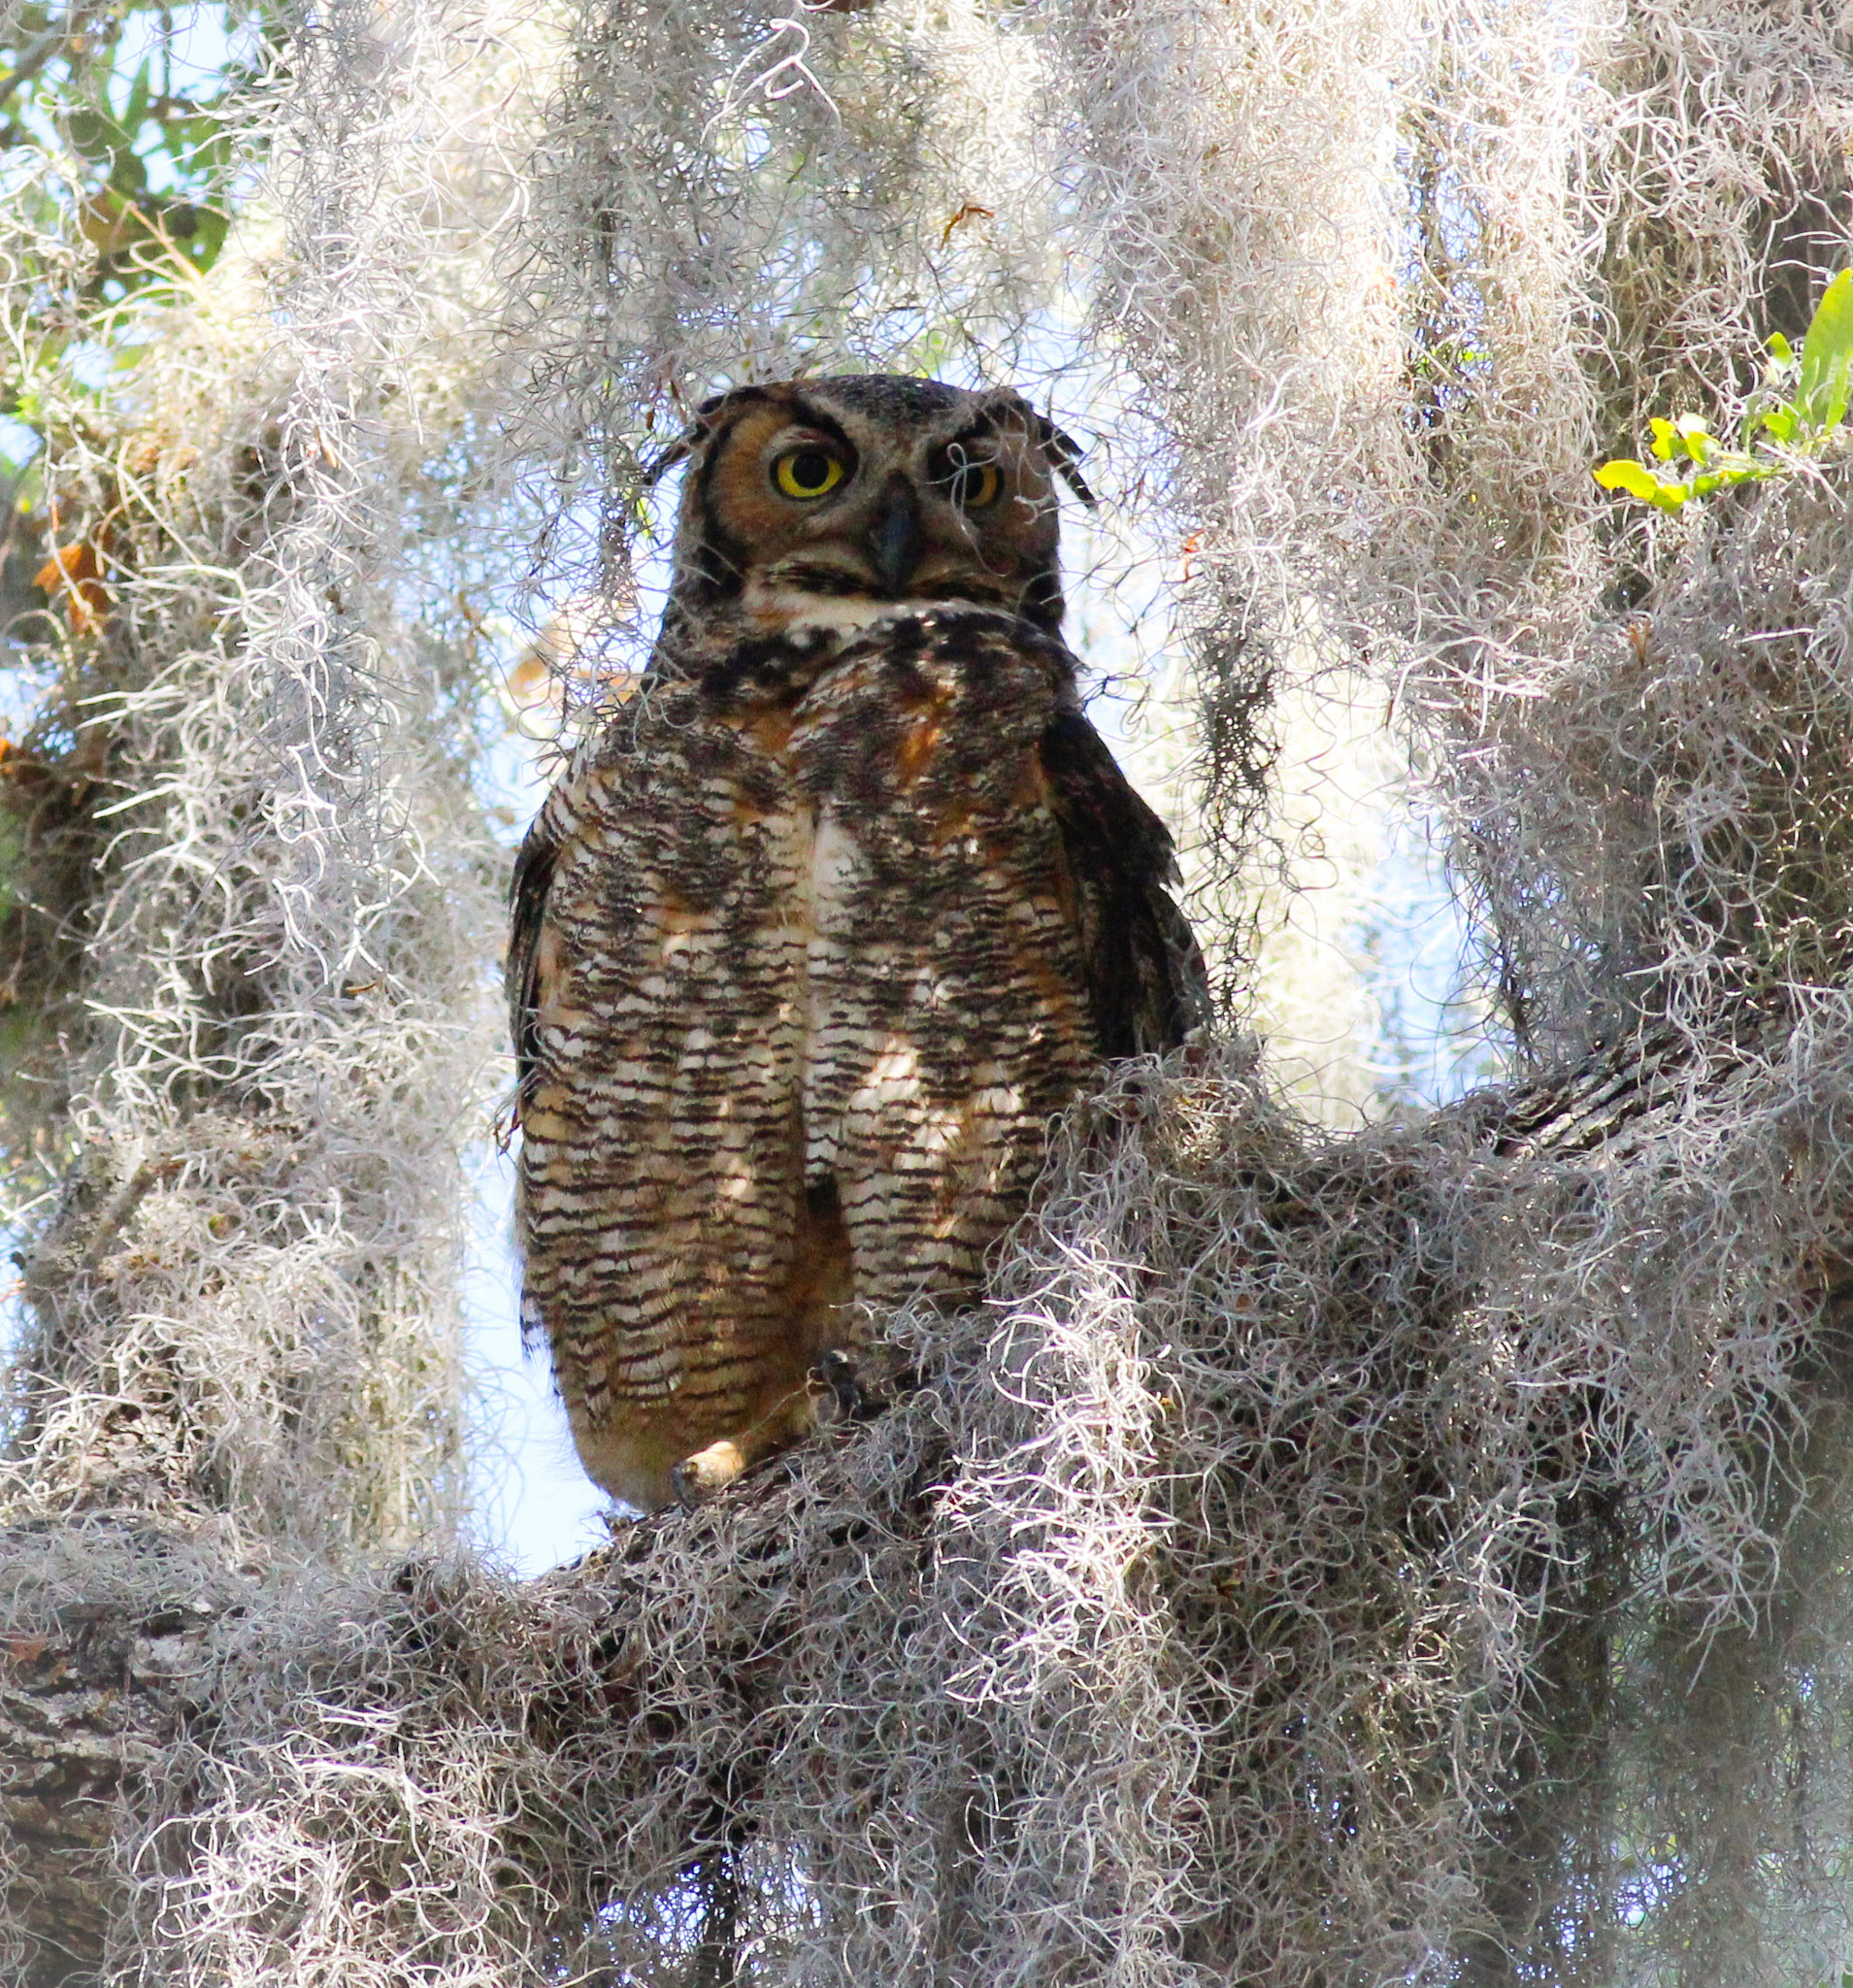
x=836 y=1369
x=700 y=1477
x=863 y=1388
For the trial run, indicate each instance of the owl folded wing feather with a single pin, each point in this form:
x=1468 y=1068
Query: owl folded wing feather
x=1145 y=976
x=527 y=904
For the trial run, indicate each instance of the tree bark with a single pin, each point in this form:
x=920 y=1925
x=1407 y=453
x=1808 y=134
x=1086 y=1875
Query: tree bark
x=92 y=1690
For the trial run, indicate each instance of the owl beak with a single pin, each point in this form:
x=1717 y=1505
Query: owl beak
x=896 y=541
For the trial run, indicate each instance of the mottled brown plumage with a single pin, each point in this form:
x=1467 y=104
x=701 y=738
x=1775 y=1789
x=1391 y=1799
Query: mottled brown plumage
x=817 y=934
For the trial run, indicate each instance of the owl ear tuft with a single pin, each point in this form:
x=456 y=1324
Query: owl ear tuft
x=707 y=419
x=685 y=444
x=1064 y=452
x=664 y=460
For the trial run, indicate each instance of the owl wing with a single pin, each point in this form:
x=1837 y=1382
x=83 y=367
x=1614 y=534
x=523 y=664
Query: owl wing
x=655 y=973
x=990 y=925
x=1145 y=978
x=527 y=908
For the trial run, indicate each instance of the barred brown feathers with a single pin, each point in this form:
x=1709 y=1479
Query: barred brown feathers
x=815 y=937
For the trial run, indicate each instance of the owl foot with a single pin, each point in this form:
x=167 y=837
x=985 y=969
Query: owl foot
x=863 y=1386
x=835 y=1374
x=698 y=1478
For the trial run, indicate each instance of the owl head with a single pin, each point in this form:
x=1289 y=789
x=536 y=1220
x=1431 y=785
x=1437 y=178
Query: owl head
x=820 y=504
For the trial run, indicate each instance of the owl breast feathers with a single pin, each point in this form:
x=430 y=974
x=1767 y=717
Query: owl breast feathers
x=815 y=937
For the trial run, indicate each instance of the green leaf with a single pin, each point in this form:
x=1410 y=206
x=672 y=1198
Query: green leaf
x=1779 y=420
x=135 y=110
x=1696 y=435
x=211 y=153
x=1780 y=350
x=1827 y=353
x=94 y=133
x=128 y=175
x=1728 y=469
x=1663 y=442
x=207 y=237
x=1664 y=493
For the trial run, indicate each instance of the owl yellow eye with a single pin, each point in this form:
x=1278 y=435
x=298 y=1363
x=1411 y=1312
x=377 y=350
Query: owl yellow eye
x=808 y=472
x=975 y=484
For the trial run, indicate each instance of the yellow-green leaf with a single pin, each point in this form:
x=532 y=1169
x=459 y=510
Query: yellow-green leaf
x=1827 y=353
x=1664 y=493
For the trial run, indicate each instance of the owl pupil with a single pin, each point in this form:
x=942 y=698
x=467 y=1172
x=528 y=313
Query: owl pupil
x=970 y=482
x=811 y=468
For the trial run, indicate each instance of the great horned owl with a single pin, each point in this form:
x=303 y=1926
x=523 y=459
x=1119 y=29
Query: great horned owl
x=813 y=939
